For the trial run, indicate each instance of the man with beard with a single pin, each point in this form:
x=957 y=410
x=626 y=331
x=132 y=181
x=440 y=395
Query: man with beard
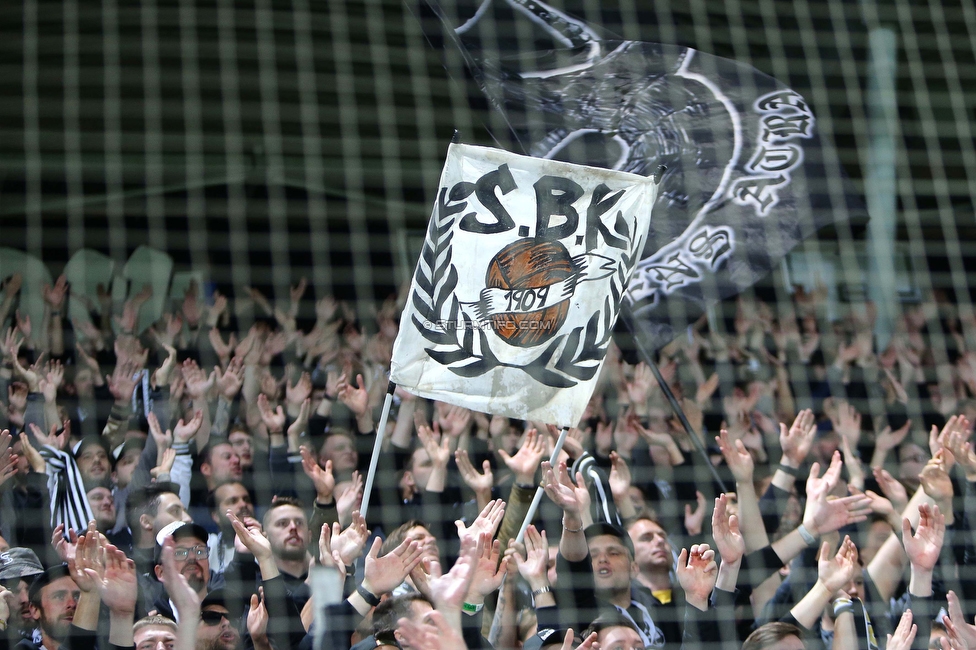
x=229 y=496
x=18 y=566
x=215 y=630
x=192 y=561
x=93 y=457
x=286 y=528
x=53 y=600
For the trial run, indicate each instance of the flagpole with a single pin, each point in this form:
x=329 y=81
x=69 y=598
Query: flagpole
x=377 y=448
x=537 y=499
x=627 y=317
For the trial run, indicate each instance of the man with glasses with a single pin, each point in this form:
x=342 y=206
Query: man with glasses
x=192 y=561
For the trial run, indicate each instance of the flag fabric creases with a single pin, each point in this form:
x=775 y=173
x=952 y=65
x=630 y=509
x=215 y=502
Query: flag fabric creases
x=520 y=282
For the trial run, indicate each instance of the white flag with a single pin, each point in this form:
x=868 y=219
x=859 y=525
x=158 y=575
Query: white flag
x=519 y=283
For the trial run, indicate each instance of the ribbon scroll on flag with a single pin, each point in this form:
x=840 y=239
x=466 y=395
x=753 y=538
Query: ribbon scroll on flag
x=519 y=283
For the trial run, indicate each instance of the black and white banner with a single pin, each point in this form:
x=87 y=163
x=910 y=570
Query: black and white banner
x=519 y=283
x=747 y=177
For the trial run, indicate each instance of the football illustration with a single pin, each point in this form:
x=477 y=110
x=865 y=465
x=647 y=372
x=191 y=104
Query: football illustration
x=528 y=268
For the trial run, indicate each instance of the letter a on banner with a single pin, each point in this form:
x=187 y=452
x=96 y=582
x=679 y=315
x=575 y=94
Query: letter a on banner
x=519 y=283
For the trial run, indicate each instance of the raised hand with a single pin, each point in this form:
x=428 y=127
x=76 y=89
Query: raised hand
x=525 y=462
x=589 y=643
x=327 y=556
x=453 y=420
x=487 y=522
x=823 y=515
x=322 y=479
x=834 y=573
x=957 y=443
x=923 y=547
x=198 y=383
x=52 y=439
x=640 y=386
x=252 y=538
x=356 y=398
x=797 y=440
x=122 y=381
x=384 y=574
x=439 y=451
x=300 y=425
x=164 y=465
x=904 y=634
x=230 y=380
x=296 y=394
x=49 y=383
x=725 y=531
x=558 y=491
x=223 y=350
x=620 y=479
x=848 y=424
x=348 y=544
x=935 y=480
x=257 y=619
x=697 y=572
x=479 y=482
x=488 y=573
x=892 y=488
x=961 y=633
x=888 y=439
x=84 y=560
x=736 y=456
x=448 y=590
x=695 y=518
x=351 y=499
x=533 y=564
x=34 y=459
x=162 y=375
x=163 y=439
x=117 y=583
x=273 y=419
x=183 y=432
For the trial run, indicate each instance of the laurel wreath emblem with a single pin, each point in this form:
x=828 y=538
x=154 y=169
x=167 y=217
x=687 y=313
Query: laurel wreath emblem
x=567 y=360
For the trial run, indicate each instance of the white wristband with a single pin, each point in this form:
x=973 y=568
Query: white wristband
x=808 y=539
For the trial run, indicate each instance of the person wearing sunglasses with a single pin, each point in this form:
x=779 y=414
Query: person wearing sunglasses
x=216 y=631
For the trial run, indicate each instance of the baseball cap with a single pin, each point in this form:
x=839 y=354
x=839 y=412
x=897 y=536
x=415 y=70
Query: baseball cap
x=88 y=441
x=19 y=562
x=179 y=530
x=603 y=528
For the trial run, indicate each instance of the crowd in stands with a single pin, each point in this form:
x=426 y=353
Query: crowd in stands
x=186 y=485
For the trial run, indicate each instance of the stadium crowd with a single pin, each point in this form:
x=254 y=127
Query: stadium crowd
x=176 y=487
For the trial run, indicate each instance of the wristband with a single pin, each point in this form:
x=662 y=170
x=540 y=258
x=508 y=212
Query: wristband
x=371 y=599
x=842 y=605
x=468 y=608
x=792 y=471
x=541 y=590
x=808 y=539
x=566 y=529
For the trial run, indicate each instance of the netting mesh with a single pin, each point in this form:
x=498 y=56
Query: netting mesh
x=247 y=145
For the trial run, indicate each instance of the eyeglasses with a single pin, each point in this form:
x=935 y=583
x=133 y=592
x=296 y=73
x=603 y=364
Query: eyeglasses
x=199 y=552
x=212 y=618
